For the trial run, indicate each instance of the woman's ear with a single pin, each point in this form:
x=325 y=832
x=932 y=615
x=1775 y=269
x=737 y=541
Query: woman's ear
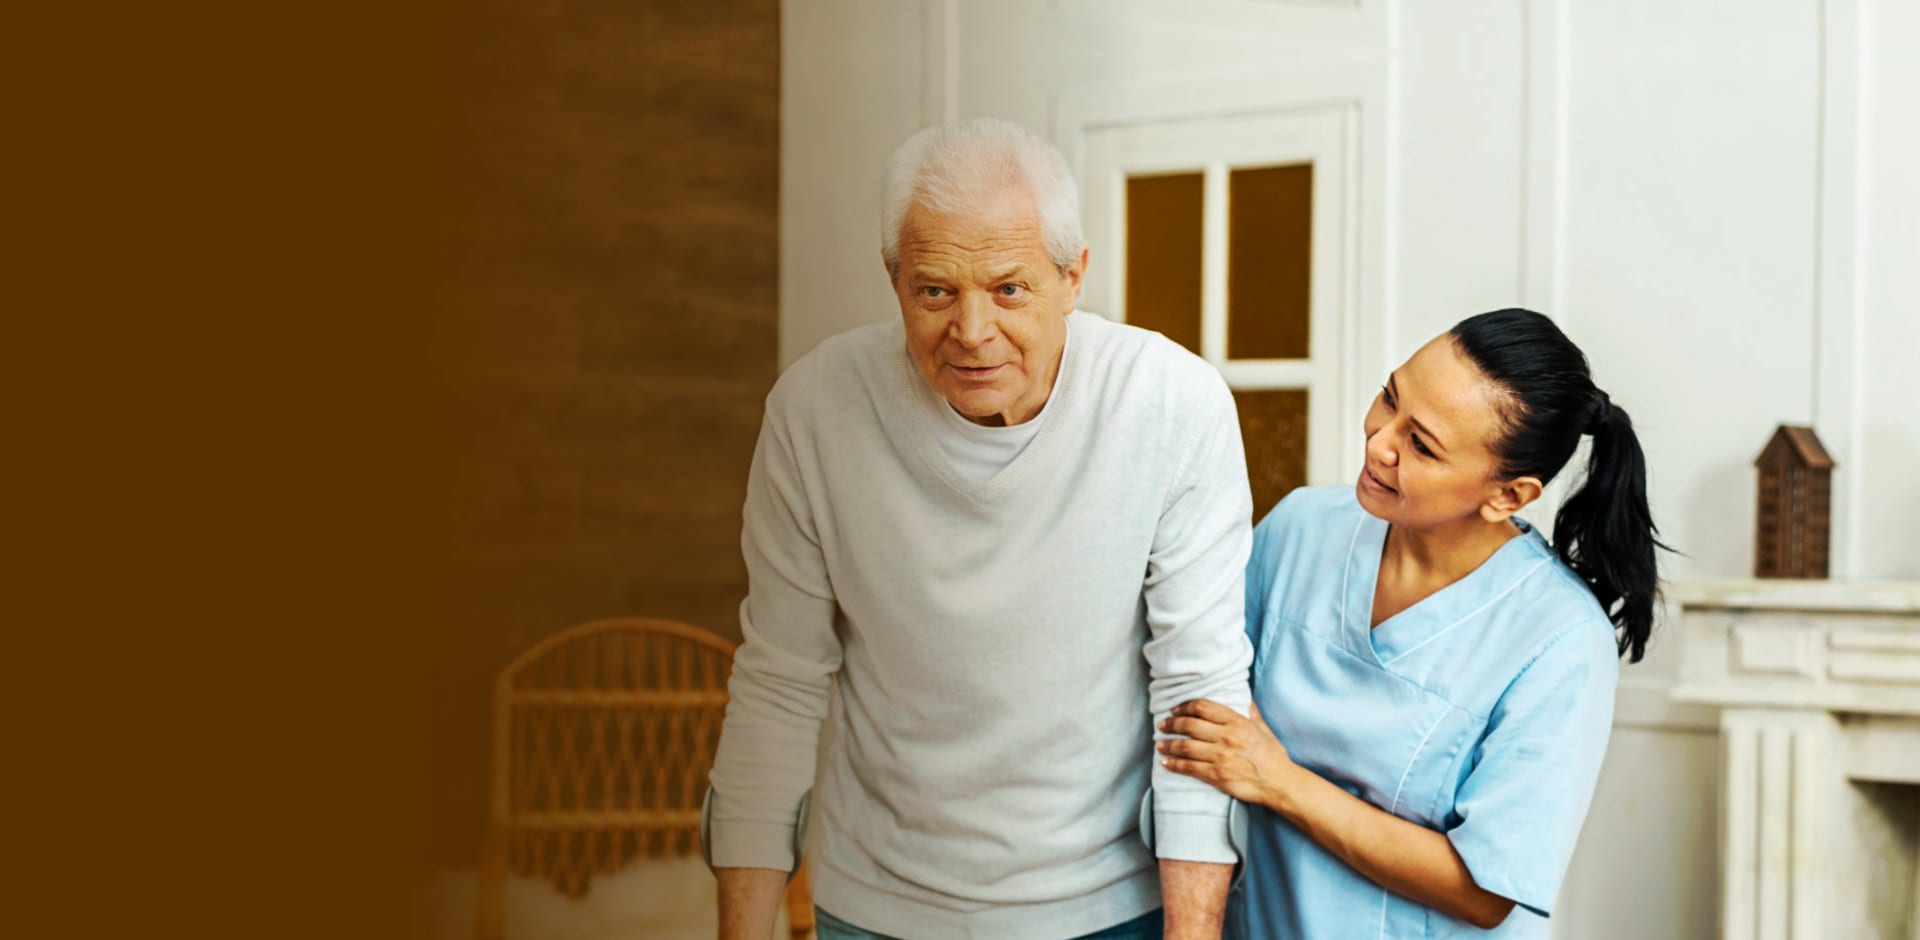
x=1511 y=497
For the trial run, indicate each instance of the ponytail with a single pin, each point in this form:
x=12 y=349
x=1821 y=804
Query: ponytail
x=1604 y=532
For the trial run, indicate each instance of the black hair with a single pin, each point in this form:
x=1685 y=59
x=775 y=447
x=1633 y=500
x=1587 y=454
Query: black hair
x=1604 y=532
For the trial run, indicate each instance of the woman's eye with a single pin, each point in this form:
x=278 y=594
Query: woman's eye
x=1386 y=398
x=1421 y=447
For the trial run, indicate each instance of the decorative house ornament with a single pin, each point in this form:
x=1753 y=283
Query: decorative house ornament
x=1792 y=532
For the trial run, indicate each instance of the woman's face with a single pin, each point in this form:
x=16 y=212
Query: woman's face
x=1429 y=438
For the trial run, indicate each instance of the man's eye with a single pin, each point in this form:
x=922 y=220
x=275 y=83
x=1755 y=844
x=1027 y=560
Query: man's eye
x=1009 y=290
x=933 y=291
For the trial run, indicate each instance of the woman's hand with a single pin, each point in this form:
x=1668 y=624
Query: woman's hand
x=1239 y=755
x=1242 y=757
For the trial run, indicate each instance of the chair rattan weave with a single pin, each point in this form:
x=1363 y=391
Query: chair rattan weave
x=602 y=738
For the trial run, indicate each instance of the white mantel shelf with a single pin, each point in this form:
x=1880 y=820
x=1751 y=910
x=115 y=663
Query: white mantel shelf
x=1799 y=595
x=1818 y=686
x=1834 y=646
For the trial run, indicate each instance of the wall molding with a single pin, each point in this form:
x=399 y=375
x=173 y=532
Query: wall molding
x=1837 y=340
x=1545 y=43
x=1312 y=25
x=939 y=62
x=1544 y=54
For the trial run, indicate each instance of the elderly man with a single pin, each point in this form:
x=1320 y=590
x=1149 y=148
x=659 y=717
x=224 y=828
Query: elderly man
x=1012 y=537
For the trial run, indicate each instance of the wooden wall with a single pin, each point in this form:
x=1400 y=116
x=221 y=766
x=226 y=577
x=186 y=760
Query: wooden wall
x=610 y=173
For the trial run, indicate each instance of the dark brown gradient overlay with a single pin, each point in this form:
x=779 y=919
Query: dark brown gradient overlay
x=352 y=348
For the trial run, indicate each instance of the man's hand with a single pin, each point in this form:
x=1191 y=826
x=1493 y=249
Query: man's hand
x=1195 y=897
x=749 y=902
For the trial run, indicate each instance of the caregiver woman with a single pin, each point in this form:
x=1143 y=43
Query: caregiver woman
x=1436 y=681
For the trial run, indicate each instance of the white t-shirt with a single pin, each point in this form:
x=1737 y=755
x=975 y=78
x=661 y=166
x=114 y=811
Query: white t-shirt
x=978 y=451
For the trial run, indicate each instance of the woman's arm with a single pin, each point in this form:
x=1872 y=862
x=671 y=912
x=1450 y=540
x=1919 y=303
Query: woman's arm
x=1242 y=757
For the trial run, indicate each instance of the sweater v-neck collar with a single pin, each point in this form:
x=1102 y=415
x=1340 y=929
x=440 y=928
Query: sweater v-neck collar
x=914 y=422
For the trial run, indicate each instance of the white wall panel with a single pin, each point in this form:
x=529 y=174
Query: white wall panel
x=1458 y=147
x=1885 y=466
x=1692 y=143
x=850 y=75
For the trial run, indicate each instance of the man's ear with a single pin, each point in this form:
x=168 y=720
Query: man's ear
x=1511 y=497
x=1077 y=276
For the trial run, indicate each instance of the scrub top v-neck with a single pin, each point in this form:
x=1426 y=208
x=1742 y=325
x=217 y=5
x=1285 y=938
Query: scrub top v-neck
x=1481 y=711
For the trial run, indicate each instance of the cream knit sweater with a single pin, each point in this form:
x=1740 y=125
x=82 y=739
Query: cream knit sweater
x=999 y=649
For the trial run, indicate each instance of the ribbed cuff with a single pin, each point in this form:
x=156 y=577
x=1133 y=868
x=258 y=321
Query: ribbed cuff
x=749 y=844
x=752 y=845
x=1184 y=838
x=1194 y=837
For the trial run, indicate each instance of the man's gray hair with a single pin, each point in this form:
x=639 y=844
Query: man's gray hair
x=951 y=168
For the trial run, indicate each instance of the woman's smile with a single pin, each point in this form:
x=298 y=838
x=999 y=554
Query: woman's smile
x=1373 y=482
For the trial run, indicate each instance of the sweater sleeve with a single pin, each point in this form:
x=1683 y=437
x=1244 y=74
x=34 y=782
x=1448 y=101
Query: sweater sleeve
x=1195 y=595
x=781 y=672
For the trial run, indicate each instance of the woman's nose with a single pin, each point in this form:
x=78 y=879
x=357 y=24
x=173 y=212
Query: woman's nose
x=1380 y=446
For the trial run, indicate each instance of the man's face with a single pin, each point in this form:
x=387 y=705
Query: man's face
x=985 y=308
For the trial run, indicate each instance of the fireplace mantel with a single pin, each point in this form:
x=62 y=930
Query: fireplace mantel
x=1818 y=683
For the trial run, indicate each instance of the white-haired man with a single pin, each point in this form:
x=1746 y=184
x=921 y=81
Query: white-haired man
x=1012 y=537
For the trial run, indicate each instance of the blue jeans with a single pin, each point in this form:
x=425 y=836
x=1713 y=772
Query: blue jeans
x=1147 y=926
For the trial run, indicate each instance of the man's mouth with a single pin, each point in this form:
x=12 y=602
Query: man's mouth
x=976 y=372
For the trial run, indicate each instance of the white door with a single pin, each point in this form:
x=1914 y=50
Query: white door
x=1229 y=235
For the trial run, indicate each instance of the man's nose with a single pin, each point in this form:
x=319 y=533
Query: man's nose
x=975 y=323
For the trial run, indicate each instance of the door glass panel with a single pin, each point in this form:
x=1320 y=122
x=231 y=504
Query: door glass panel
x=1269 y=260
x=1163 y=255
x=1273 y=427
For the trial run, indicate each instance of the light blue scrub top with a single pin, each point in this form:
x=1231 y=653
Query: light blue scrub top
x=1482 y=711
